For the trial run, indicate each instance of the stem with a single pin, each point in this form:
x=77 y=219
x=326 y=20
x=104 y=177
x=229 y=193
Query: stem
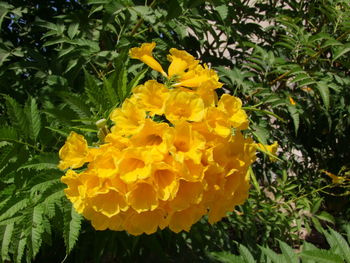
x=26 y=144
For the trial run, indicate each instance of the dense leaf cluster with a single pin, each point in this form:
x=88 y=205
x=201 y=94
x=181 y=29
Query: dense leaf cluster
x=64 y=66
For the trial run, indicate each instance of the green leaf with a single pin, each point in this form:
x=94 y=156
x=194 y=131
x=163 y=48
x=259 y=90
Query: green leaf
x=6 y=154
x=3 y=55
x=223 y=11
x=6 y=240
x=34 y=119
x=93 y=92
x=4 y=9
x=16 y=205
x=109 y=85
x=21 y=246
x=72 y=225
x=73 y=30
x=37 y=229
x=273 y=256
x=226 y=257
x=316 y=206
x=341 y=52
x=17 y=116
x=339 y=243
x=122 y=84
x=326 y=217
x=77 y=104
x=323 y=89
x=55 y=42
x=288 y=253
x=321 y=256
x=246 y=255
x=174 y=10
x=136 y=80
x=294 y=113
x=8 y=133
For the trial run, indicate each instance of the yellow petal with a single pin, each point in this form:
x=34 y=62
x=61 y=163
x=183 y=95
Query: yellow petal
x=142 y=197
x=144 y=53
x=182 y=105
x=180 y=61
x=74 y=152
x=109 y=204
x=183 y=220
x=145 y=222
x=151 y=96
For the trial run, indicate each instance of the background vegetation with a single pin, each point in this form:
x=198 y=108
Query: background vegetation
x=64 y=65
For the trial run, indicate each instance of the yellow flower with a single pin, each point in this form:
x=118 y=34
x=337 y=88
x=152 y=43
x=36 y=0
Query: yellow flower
x=270 y=150
x=80 y=188
x=292 y=101
x=197 y=77
x=74 y=152
x=182 y=105
x=218 y=122
x=109 y=204
x=232 y=107
x=144 y=53
x=183 y=220
x=153 y=135
x=187 y=144
x=135 y=163
x=335 y=179
x=151 y=96
x=187 y=194
x=142 y=197
x=145 y=222
x=170 y=158
x=128 y=119
x=183 y=69
x=180 y=61
x=165 y=179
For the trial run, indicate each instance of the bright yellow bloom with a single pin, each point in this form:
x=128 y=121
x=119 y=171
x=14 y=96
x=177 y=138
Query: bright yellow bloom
x=197 y=77
x=151 y=96
x=145 y=222
x=187 y=194
x=292 y=101
x=144 y=53
x=165 y=179
x=187 y=144
x=109 y=204
x=232 y=107
x=74 y=152
x=269 y=149
x=184 y=219
x=128 y=119
x=142 y=197
x=153 y=135
x=335 y=179
x=135 y=163
x=182 y=105
x=170 y=158
x=180 y=61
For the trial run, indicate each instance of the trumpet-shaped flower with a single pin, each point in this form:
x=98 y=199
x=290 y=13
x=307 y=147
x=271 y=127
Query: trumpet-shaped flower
x=74 y=152
x=180 y=61
x=151 y=96
x=182 y=105
x=128 y=119
x=144 y=53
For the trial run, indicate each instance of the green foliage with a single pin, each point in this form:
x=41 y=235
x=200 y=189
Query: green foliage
x=64 y=65
x=338 y=252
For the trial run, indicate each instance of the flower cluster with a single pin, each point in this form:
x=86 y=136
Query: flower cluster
x=175 y=154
